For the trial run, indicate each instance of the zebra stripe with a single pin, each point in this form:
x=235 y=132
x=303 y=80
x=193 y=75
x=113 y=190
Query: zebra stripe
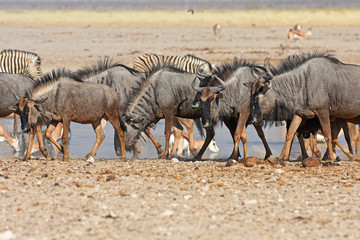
x=188 y=63
x=16 y=61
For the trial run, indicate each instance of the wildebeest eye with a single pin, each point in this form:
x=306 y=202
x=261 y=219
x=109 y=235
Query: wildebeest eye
x=261 y=89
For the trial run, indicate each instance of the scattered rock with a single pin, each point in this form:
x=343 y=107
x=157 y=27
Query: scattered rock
x=90 y=160
x=79 y=184
x=250 y=161
x=167 y=213
x=7 y=235
x=174 y=160
x=110 y=177
x=311 y=162
x=230 y=163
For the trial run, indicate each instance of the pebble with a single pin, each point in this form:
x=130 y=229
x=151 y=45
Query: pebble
x=250 y=161
x=174 y=160
x=311 y=162
x=7 y=235
x=167 y=213
x=250 y=201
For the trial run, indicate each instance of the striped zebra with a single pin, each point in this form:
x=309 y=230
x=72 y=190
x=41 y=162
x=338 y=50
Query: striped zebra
x=187 y=63
x=16 y=61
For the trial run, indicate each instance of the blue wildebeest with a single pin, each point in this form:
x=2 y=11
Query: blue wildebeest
x=166 y=93
x=308 y=86
x=10 y=84
x=61 y=96
x=223 y=97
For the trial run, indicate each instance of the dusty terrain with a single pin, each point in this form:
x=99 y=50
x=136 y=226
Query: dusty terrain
x=161 y=199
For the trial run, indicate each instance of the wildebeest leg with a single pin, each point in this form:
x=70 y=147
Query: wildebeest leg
x=240 y=134
x=156 y=143
x=189 y=124
x=302 y=146
x=347 y=135
x=313 y=146
x=115 y=121
x=30 y=144
x=48 y=135
x=16 y=118
x=336 y=127
x=295 y=123
x=99 y=137
x=354 y=135
x=41 y=142
x=324 y=118
x=261 y=135
x=177 y=135
x=209 y=136
x=169 y=118
x=66 y=123
x=231 y=125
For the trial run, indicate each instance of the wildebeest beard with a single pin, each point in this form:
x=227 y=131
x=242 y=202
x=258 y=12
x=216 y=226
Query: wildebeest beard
x=279 y=113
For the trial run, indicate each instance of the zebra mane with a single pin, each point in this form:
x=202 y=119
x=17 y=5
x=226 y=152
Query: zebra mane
x=227 y=69
x=49 y=80
x=101 y=66
x=294 y=61
x=13 y=52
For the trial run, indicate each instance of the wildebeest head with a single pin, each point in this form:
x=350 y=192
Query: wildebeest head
x=30 y=111
x=259 y=88
x=207 y=98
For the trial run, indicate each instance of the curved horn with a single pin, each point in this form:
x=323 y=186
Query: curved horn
x=196 y=88
x=15 y=95
x=255 y=75
x=218 y=89
x=28 y=94
x=269 y=73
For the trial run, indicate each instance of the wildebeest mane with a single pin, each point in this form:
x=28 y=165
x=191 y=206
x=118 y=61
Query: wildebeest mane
x=140 y=88
x=50 y=79
x=101 y=66
x=227 y=69
x=294 y=61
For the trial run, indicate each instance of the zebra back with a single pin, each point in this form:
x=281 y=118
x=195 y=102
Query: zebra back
x=17 y=61
x=189 y=64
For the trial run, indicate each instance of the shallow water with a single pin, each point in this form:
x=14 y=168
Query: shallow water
x=82 y=139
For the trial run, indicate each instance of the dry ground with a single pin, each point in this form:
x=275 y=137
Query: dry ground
x=159 y=199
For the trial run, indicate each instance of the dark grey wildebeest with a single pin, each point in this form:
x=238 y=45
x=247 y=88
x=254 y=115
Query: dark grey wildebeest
x=223 y=97
x=167 y=93
x=11 y=84
x=61 y=96
x=308 y=86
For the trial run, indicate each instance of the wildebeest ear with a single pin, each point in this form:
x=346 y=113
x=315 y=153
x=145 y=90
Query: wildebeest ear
x=39 y=101
x=248 y=84
x=219 y=95
x=13 y=108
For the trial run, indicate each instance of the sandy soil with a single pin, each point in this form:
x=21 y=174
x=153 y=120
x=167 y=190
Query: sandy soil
x=160 y=199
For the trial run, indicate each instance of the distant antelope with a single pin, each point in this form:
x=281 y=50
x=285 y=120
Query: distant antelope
x=216 y=29
x=296 y=35
x=297 y=27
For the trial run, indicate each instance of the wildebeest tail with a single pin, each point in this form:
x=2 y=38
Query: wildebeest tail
x=122 y=124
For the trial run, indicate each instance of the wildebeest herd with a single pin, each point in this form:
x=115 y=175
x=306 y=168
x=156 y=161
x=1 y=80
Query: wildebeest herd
x=309 y=92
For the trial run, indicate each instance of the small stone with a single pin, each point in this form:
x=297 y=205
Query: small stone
x=7 y=235
x=174 y=160
x=250 y=161
x=79 y=184
x=110 y=177
x=167 y=213
x=187 y=197
x=310 y=162
x=230 y=163
x=250 y=201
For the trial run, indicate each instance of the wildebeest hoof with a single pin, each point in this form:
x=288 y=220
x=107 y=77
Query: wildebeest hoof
x=90 y=160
